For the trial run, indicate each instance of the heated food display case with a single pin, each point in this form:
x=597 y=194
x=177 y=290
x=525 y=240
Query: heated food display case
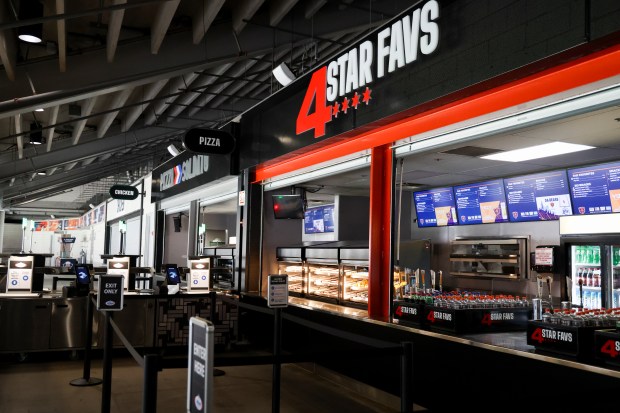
x=291 y=263
x=322 y=263
x=354 y=264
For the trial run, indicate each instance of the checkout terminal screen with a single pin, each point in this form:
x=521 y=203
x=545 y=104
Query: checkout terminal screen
x=83 y=274
x=172 y=276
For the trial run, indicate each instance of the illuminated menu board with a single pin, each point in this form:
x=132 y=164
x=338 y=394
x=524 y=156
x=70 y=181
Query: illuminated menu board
x=481 y=202
x=595 y=189
x=319 y=219
x=435 y=207
x=538 y=197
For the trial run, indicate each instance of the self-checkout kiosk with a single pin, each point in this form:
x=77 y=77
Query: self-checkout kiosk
x=199 y=278
x=20 y=274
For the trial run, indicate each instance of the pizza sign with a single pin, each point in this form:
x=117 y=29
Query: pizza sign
x=342 y=85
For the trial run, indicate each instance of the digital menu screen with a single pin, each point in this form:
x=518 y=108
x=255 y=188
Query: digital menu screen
x=435 y=207
x=318 y=220
x=538 y=197
x=595 y=189
x=481 y=202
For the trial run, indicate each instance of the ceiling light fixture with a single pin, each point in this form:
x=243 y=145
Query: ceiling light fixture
x=283 y=74
x=32 y=33
x=91 y=206
x=173 y=150
x=52 y=216
x=41 y=173
x=537 y=152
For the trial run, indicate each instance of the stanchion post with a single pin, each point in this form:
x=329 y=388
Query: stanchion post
x=86 y=380
x=277 y=342
x=406 y=378
x=213 y=316
x=149 y=394
x=106 y=392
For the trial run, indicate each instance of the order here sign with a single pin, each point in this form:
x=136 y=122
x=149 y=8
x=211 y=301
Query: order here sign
x=200 y=366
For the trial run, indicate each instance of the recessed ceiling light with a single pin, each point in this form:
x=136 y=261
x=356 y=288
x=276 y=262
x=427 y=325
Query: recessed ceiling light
x=39 y=110
x=42 y=173
x=537 y=152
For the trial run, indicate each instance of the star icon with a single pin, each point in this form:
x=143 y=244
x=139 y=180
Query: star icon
x=356 y=100
x=345 y=104
x=335 y=109
x=366 y=96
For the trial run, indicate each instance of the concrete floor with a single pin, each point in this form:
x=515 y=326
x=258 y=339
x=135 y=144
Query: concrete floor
x=39 y=384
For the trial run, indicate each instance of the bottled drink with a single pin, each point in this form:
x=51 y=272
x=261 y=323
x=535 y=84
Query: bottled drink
x=596 y=255
x=578 y=254
x=596 y=282
x=616 y=256
x=580 y=276
x=589 y=280
x=589 y=256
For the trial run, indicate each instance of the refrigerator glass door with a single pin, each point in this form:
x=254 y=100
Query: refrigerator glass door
x=615 y=276
x=586 y=275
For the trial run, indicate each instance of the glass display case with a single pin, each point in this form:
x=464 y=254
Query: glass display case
x=291 y=263
x=323 y=273
x=489 y=257
x=354 y=265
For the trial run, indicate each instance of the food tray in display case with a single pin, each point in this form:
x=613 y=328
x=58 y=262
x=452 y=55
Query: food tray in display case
x=290 y=262
x=323 y=281
x=354 y=263
x=323 y=272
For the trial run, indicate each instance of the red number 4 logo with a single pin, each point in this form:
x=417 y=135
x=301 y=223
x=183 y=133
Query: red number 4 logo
x=306 y=118
x=609 y=347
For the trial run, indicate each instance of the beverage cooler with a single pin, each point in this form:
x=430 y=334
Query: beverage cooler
x=322 y=263
x=291 y=263
x=592 y=271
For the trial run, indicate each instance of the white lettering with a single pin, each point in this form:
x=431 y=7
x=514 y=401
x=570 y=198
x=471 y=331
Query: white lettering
x=411 y=36
x=366 y=55
x=332 y=82
x=199 y=368
x=382 y=51
x=397 y=53
x=429 y=42
x=352 y=72
x=209 y=141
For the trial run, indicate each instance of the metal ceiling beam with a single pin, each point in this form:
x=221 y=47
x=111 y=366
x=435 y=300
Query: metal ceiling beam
x=134 y=113
x=62 y=37
x=50 y=132
x=87 y=108
x=117 y=102
x=278 y=9
x=209 y=12
x=7 y=45
x=114 y=30
x=165 y=13
x=157 y=108
x=244 y=10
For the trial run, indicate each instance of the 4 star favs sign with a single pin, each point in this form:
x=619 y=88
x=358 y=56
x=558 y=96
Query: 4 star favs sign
x=343 y=84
